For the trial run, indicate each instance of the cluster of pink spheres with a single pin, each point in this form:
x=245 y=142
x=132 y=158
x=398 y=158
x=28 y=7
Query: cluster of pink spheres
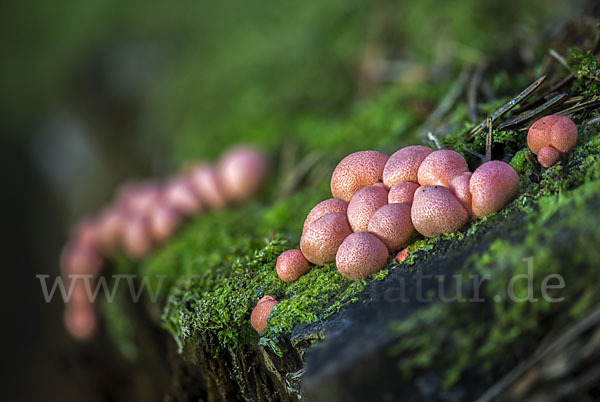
x=379 y=202
x=146 y=214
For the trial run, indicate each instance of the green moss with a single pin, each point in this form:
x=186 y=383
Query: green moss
x=454 y=337
x=587 y=71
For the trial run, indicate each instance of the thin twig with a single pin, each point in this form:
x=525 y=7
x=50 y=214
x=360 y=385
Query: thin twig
x=508 y=106
x=434 y=140
x=474 y=153
x=472 y=92
x=555 y=88
x=447 y=103
x=596 y=44
x=488 y=140
x=593 y=121
x=560 y=59
x=532 y=113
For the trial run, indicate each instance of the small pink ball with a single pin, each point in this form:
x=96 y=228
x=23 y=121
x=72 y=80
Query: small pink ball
x=261 y=313
x=291 y=265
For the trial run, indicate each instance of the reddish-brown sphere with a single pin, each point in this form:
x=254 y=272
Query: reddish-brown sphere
x=163 y=222
x=77 y=259
x=323 y=237
x=493 y=185
x=261 y=313
x=402 y=193
x=291 y=265
x=242 y=172
x=81 y=320
x=135 y=237
x=325 y=207
x=205 y=182
x=436 y=211
x=440 y=167
x=356 y=171
x=110 y=226
x=548 y=156
x=403 y=165
x=460 y=188
x=402 y=255
x=555 y=130
x=392 y=224
x=179 y=196
x=363 y=205
x=360 y=255
x=550 y=137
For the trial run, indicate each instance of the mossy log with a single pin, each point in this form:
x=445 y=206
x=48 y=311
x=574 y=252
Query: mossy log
x=330 y=338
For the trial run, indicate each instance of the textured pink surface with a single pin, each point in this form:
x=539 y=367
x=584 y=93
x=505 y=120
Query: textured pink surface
x=555 y=130
x=291 y=265
x=493 y=185
x=436 y=211
x=404 y=164
x=323 y=237
x=440 y=167
x=325 y=207
x=355 y=171
x=402 y=193
x=460 y=188
x=261 y=313
x=363 y=205
x=392 y=224
x=548 y=156
x=360 y=255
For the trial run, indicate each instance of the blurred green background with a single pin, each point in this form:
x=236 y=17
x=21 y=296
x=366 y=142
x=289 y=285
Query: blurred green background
x=95 y=92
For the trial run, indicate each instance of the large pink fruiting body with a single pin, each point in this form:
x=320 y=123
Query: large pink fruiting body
x=551 y=136
x=360 y=255
x=363 y=205
x=440 y=167
x=242 y=171
x=325 y=207
x=436 y=211
x=392 y=224
x=404 y=164
x=291 y=265
x=261 y=313
x=402 y=193
x=492 y=186
x=355 y=171
x=460 y=188
x=323 y=237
